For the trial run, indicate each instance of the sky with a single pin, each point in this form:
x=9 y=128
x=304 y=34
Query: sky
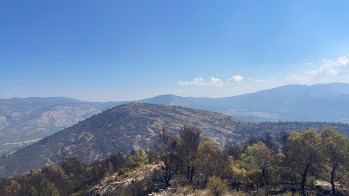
x=115 y=50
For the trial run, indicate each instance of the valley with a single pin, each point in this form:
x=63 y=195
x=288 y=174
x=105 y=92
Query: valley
x=25 y=119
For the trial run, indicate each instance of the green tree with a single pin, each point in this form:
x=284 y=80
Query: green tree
x=189 y=140
x=211 y=161
x=33 y=191
x=335 y=151
x=137 y=158
x=260 y=156
x=304 y=153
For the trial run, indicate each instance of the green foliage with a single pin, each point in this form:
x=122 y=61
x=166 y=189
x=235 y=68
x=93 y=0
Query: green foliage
x=335 y=154
x=69 y=178
x=33 y=191
x=192 y=162
x=217 y=186
x=304 y=153
x=137 y=158
x=238 y=169
x=259 y=160
x=211 y=160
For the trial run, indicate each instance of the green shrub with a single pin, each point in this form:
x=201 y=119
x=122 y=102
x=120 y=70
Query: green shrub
x=216 y=185
x=136 y=159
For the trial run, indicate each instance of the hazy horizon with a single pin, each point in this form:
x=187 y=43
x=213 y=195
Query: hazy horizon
x=107 y=100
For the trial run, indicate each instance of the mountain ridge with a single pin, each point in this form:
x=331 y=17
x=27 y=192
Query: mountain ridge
x=137 y=125
x=119 y=129
x=29 y=119
x=320 y=102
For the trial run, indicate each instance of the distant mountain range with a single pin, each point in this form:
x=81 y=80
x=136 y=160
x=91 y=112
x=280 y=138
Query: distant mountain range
x=137 y=125
x=320 y=102
x=24 y=120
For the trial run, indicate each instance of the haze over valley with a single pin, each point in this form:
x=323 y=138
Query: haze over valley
x=25 y=120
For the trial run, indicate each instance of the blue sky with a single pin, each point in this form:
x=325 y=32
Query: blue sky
x=127 y=50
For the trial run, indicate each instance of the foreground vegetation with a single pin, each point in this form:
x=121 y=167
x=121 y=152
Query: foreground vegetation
x=290 y=163
x=260 y=164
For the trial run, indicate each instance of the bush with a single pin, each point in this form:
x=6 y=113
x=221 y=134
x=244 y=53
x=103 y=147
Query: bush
x=136 y=159
x=216 y=185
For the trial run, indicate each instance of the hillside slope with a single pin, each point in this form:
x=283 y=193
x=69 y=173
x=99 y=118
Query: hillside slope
x=116 y=130
x=23 y=119
x=136 y=125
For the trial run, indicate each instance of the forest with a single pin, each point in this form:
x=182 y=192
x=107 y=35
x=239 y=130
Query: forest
x=187 y=163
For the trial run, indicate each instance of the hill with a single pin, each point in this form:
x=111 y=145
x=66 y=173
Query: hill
x=24 y=120
x=116 y=130
x=137 y=125
x=320 y=102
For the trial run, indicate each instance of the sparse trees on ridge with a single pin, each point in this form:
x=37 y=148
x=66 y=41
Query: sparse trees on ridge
x=302 y=155
x=190 y=160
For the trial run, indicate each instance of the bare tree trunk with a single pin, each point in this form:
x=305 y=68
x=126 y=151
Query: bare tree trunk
x=304 y=179
x=264 y=177
x=188 y=171
x=332 y=180
x=191 y=174
x=168 y=176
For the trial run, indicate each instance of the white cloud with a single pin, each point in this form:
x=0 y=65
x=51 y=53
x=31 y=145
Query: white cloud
x=343 y=60
x=212 y=82
x=195 y=82
x=201 y=82
x=332 y=67
x=327 y=71
x=323 y=71
x=216 y=82
x=236 y=78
